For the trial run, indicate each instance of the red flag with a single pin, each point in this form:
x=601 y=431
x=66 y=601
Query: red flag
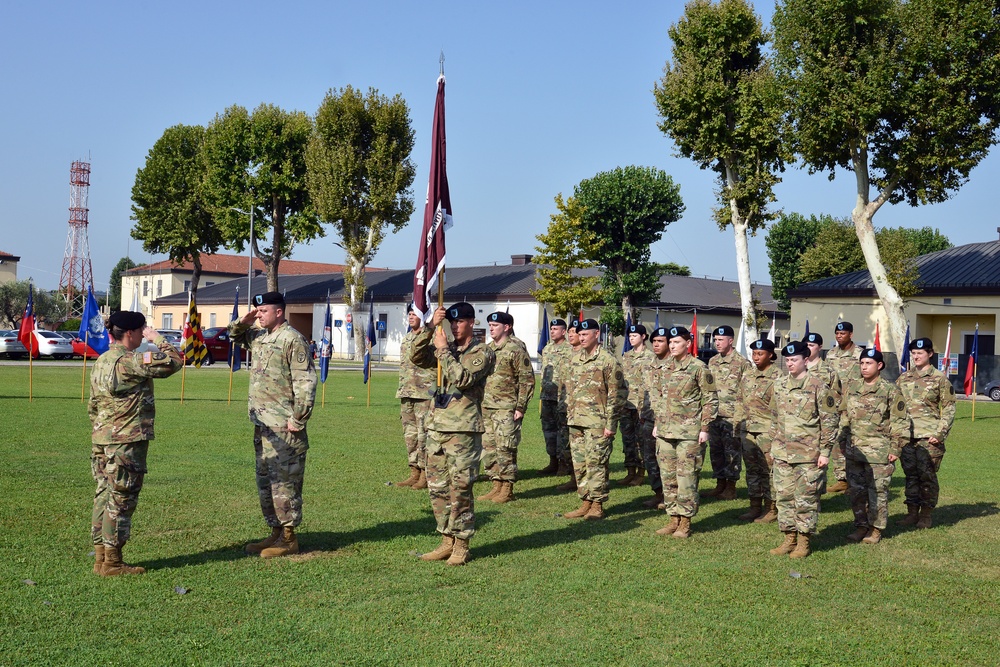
x=878 y=343
x=969 y=384
x=26 y=333
x=437 y=218
x=694 y=335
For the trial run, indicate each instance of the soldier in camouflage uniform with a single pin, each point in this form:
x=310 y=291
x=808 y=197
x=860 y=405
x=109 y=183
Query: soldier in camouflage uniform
x=455 y=426
x=843 y=359
x=725 y=447
x=416 y=386
x=753 y=423
x=562 y=369
x=874 y=410
x=637 y=416
x=820 y=368
x=509 y=388
x=685 y=401
x=930 y=406
x=656 y=368
x=121 y=411
x=548 y=406
x=595 y=391
x=803 y=432
x=282 y=392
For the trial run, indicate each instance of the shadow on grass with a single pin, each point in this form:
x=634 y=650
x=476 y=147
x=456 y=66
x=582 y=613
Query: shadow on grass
x=834 y=535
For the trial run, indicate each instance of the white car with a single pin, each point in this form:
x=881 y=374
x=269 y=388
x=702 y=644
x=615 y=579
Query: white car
x=51 y=344
x=10 y=346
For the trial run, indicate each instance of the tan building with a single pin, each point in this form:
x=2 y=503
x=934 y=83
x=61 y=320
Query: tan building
x=8 y=267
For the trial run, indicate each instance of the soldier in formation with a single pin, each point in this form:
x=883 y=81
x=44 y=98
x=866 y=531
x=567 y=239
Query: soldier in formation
x=753 y=421
x=725 y=447
x=562 y=373
x=637 y=415
x=282 y=393
x=548 y=405
x=416 y=386
x=509 y=388
x=455 y=425
x=121 y=412
x=843 y=359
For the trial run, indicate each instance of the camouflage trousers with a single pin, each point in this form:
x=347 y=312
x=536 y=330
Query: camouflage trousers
x=118 y=471
x=413 y=415
x=797 y=489
x=647 y=444
x=548 y=412
x=562 y=442
x=452 y=461
x=725 y=450
x=591 y=453
x=281 y=466
x=503 y=435
x=838 y=463
x=868 y=486
x=631 y=428
x=921 y=461
x=757 y=460
x=680 y=462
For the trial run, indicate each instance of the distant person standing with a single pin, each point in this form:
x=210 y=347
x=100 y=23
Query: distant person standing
x=930 y=407
x=282 y=393
x=552 y=355
x=416 y=388
x=121 y=412
x=725 y=448
x=637 y=416
x=753 y=424
x=564 y=370
x=843 y=359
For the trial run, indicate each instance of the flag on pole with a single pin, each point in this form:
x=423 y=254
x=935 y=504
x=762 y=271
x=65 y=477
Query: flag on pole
x=437 y=218
x=946 y=362
x=92 y=325
x=628 y=327
x=194 y=342
x=806 y=334
x=878 y=343
x=693 y=348
x=369 y=340
x=970 y=370
x=136 y=307
x=508 y=306
x=773 y=332
x=26 y=333
x=904 y=356
x=326 y=344
x=656 y=324
x=234 y=349
x=543 y=337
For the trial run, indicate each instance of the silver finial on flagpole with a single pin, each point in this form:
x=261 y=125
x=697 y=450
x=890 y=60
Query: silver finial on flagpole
x=441 y=60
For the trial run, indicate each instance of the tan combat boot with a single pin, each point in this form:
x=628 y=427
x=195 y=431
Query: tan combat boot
x=257 y=547
x=640 y=474
x=443 y=551
x=653 y=502
x=839 y=487
x=671 y=527
x=595 y=513
x=579 y=512
x=785 y=547
x=729 y=492
x=769 y=516
x=114 y=565
x=460 y=552
x=873 y=536
x=568 y=486
x=412 y=479
x=98 y=558
x=924 y=521
x=912 y=514
x=801 y=547
x=756 y=509
x=286 y=545
x=720 y=486
x=489 y=495
x=505 y=494
x=629 y=477
x=683 y=528
x=859 y=534
x=552 y=468
x=421 y=482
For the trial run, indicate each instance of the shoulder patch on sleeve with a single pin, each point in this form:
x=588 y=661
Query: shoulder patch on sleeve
x=301 y=358
x=478 y=361
x=159 y=356
x=709 y=378
x=830 y=402
x=901 y=405
x=527 y=362
x=951 y=389
x=147 y=357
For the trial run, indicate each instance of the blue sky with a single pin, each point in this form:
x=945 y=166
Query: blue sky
x=540 y=96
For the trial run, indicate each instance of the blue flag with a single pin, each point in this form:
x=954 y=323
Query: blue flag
x=628 y=326
x=543 y=337
x=235 y=357
x=92 y=325
x=326 y=344
x=369 y=340
x=904 y=356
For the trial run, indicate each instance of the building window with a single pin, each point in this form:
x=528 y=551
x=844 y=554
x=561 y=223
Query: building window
x=211 y=319
x=159 y=288
x=145 y=288
x=187 y=285
x=167 y=322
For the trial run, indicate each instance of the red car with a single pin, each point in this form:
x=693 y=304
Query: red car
x=80 y=348
x=217 y=342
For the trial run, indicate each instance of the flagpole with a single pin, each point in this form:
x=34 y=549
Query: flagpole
x=83 y=380
x=230 y=400
x=31 y=370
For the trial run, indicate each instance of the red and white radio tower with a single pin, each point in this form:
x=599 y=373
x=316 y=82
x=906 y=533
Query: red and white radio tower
x=76 y=269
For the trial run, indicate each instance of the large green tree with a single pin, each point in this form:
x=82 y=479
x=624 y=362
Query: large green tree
x=171 y=214
x=255 y=163
x=563 y=260
x=786 y=241
x=626 y=210
x=359 y=177
x=14 y=298
x=721 y=105
x=115 y=283
x=905 y=94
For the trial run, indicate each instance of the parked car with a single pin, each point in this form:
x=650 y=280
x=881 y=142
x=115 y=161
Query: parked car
x=51 y=344
x=80 y=349
x=173 y=336
x=217 y=342
x=993 y=390
x=10 y=346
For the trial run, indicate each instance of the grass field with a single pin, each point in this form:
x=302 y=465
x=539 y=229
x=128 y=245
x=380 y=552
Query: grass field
x=540 y=590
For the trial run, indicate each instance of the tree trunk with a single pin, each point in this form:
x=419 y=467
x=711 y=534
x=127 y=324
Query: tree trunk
x=739 y=222
x=195 y=274
x=278 y=233
x=627 y=309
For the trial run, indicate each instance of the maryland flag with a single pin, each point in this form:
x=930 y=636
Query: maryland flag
x=194 y=343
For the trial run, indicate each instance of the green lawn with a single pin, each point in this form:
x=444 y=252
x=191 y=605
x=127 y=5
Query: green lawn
x=540 y=590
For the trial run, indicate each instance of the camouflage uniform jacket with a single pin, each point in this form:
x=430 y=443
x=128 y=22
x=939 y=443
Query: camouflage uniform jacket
x=825 y=372
x=595 y=390
x=930 y=402
x=804 y=419
x=845 y=362
x=414 y=381
x=728 y=372
x=463 y=373
x=753 y=399
x=512 y=383
x=876 y=415
x=552 y=356
x=634 y=365
x=683 y=397
x=282 y=376
x=121 y=391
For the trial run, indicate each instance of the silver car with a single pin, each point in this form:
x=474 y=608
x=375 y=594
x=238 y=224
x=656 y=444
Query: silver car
x=51 y=344
x=10 y=346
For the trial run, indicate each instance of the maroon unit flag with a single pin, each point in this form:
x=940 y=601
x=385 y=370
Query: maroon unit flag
x=437 y=218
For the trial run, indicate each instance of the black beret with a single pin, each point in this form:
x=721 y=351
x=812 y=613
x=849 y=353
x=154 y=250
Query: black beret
x=660 y=333
x=461 y=311
x=845 y=326
x=574 y=324
x=814 y=338
x=557 y=323
x=724 y=330
x=637 y=328
x=589 y=324
x=269 y=299
x=500 y=318
x=764 y=344
x=127 y=320
x=795 y=348
x=922 y=344
x=872 y=353
x=681 y=332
